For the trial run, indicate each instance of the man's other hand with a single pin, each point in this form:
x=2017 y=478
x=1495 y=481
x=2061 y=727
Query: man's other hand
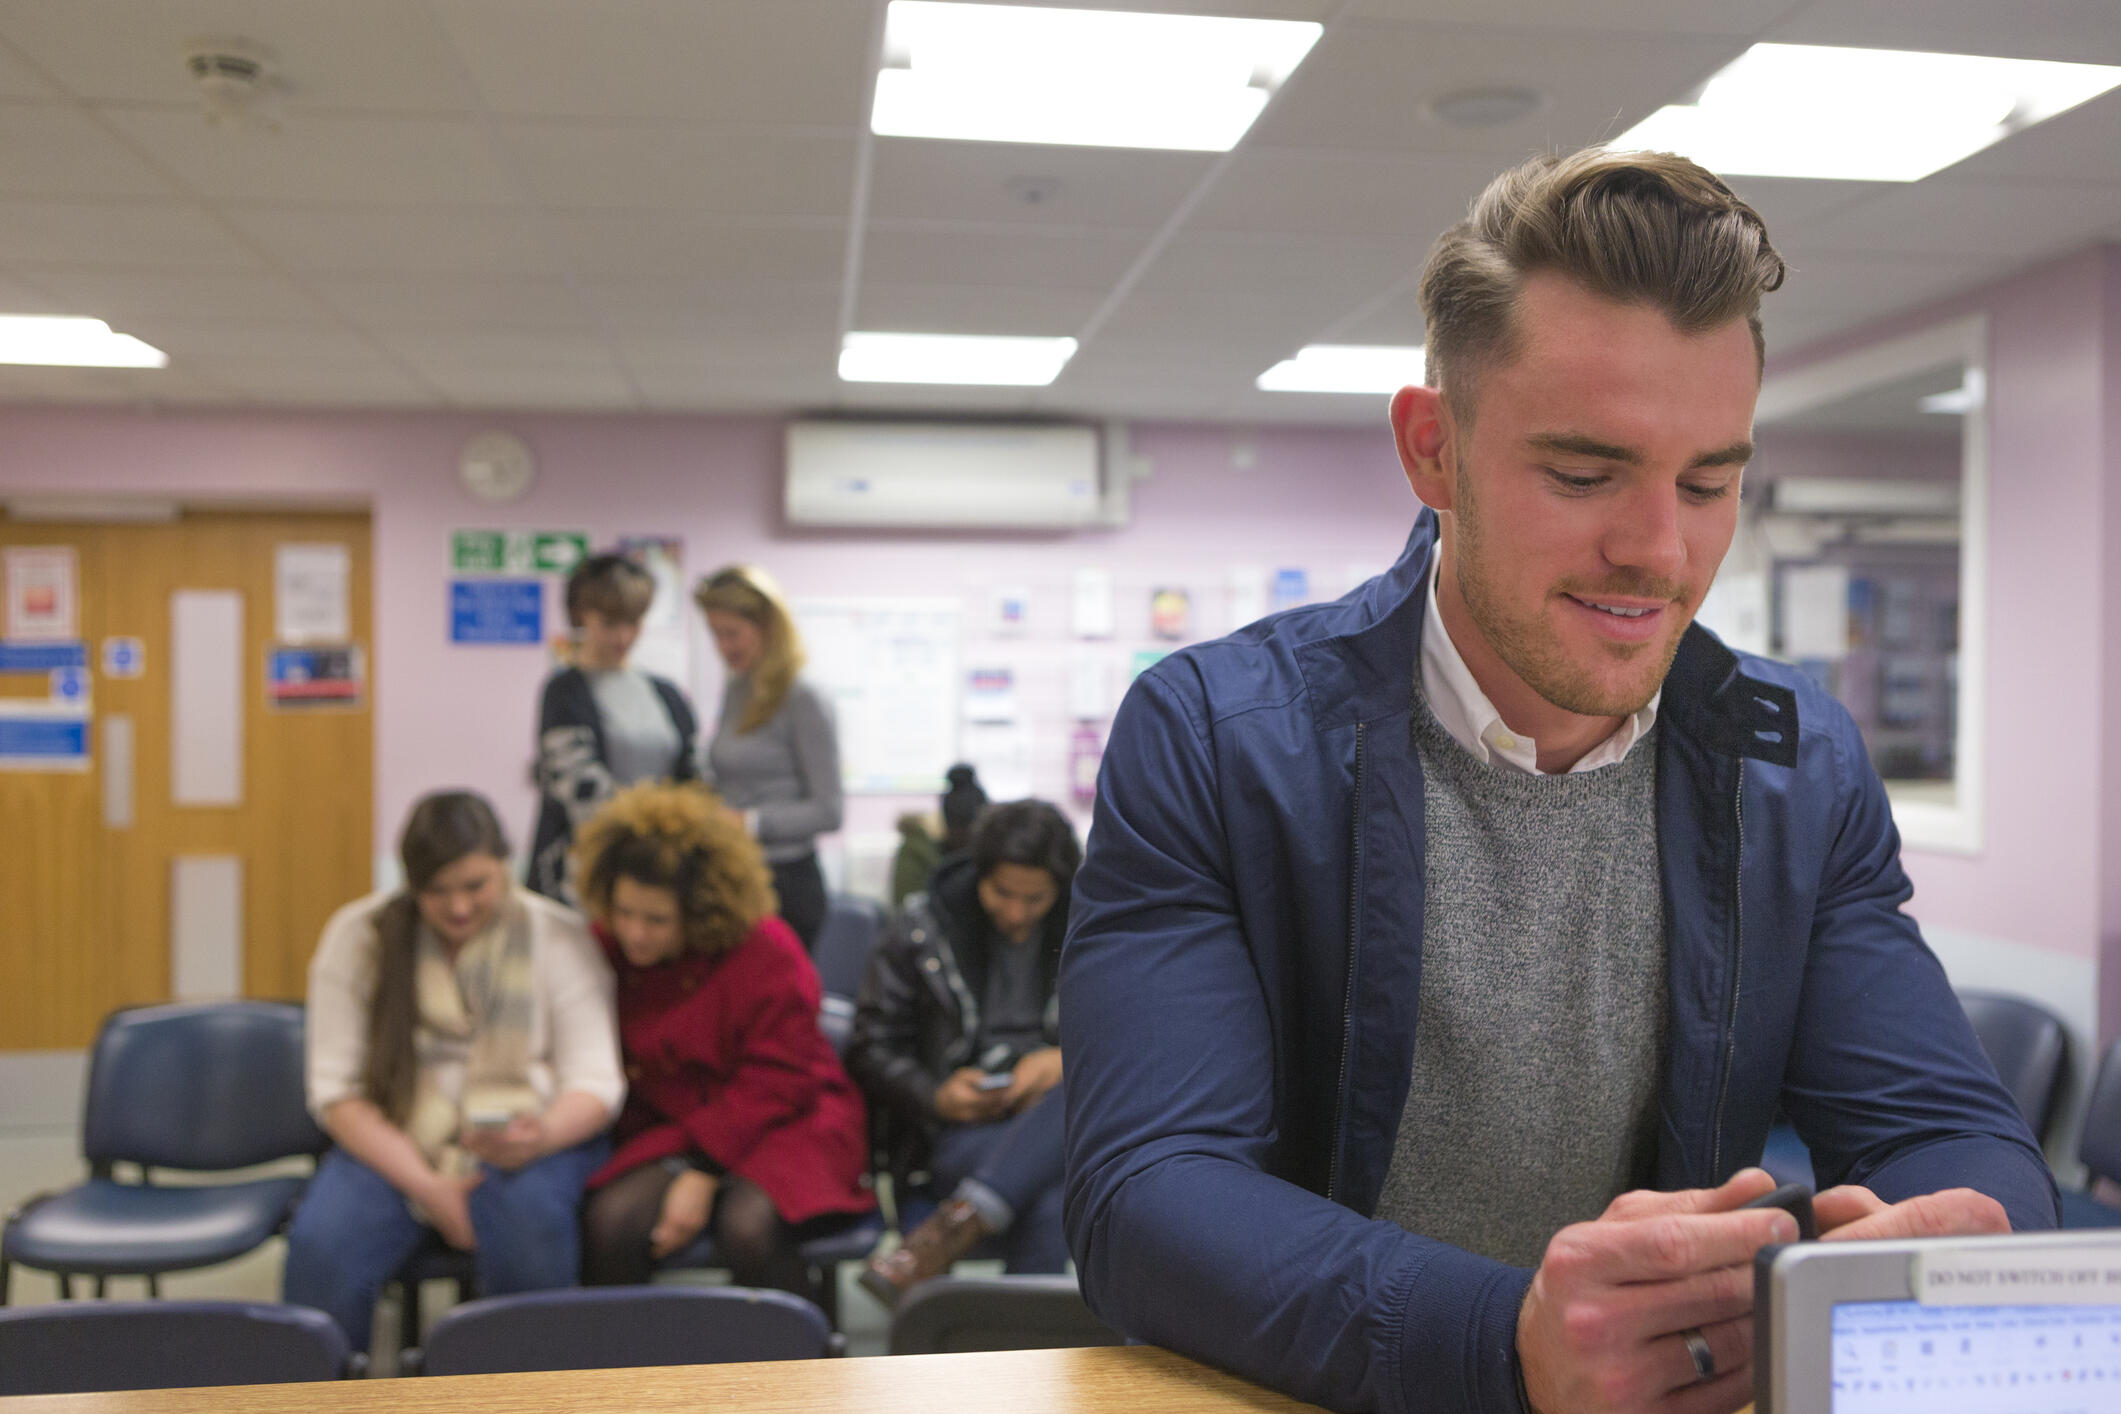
x=1850 y=1213
x=1603 y=1328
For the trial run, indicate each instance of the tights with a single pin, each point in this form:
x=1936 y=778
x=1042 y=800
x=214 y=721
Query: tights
x=753 y=1242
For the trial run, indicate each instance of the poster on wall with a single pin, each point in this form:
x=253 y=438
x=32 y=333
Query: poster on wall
x=312 y=593
x=299 y=677
x=1248 y=598
x=496 y=611
x=1291 y=588
x=1093 y=603
x=664 y=647
x=1170 y=613
x=37 y=735
x=1011 y=612
x=43 y=594
x=990 y=694
x=889 y=667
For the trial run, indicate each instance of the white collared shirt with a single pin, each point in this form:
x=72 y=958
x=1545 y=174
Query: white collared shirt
x=1473 y=722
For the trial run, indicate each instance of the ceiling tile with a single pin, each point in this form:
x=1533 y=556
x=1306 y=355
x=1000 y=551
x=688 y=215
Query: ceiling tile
x=321 y=157
x=143 y=235
x=972 y=309
x=143 y=387
x=660 y=168
x=1396 y=321
x=731 y=347
x=684 y=245
x=27 y=295
x=377 y=54
x=1078 y=187
x=563 y=388
x=430 y=302
x=2002 y=221
x=55 y=150
x=17 y=80
x=688 y=388
x=408 y=240
x=673 y=306
x=1734 y=17
x=918 y=254
x=1365 y=87
x=1324 y=274
x=759 y=61
x=190 y=339
x=1787 y=204
x=2078 y=146
x=1830 y=293
x=336 y=378
x=2079 y=31
x=1342 y=194
x=133 y=298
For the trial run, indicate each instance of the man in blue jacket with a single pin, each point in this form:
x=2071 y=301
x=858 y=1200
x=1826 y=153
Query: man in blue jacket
x=1442 y=955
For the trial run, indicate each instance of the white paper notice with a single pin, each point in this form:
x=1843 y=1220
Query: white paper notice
x=1089 y=685
x=312 y=593
x=1815 y=611
x=1001 y=753
x=1093 y=603
x=1248 y=594
x=43 y=594
x=1736 y=610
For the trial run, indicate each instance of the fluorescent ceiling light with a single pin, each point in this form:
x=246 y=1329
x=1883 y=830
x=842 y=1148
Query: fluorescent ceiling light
x=1347 y=368
x=67 y=339
x=1862 y=115
x=1079 y=78
x=953 y=358
x=1970 y=394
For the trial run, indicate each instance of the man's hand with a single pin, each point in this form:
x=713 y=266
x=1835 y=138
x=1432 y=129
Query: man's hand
x=1603 y=1327
x=1035 y=1074
x=686 y=1203
x=1850 y=1213
x=960 y=1100
x=510 y=1147
x=447 y=1204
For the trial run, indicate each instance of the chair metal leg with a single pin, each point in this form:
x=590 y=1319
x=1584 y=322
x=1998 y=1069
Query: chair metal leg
x=154 y=1287
x=66 y=1286
x=408 y=1315
x=102 y=1287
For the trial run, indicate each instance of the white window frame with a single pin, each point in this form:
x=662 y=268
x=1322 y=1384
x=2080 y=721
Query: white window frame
x=1958 y=828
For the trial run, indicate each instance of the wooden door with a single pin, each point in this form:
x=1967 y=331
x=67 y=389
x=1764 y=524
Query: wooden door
x=85 y=904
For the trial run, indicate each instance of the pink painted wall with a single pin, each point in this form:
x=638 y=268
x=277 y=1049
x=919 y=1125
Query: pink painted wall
x=2106 y=615
x=1321 y=500
x=1791 y=452
x=2052 y=464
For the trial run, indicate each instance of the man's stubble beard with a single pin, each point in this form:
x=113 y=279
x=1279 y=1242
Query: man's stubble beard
x=1529 y=647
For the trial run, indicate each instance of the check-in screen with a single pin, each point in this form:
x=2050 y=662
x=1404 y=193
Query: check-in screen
x=1891 y=1357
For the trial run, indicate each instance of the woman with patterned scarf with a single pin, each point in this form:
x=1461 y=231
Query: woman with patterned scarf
x=463 y=1057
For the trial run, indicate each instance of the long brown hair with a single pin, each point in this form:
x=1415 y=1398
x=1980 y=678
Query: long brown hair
x=750 y=593
x=443 y=828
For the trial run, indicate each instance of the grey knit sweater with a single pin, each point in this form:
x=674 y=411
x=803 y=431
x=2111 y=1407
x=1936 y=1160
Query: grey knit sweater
x=1539 y=1039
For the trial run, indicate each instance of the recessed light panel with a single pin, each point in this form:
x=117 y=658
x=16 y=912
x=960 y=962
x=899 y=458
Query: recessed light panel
x=953 y=358
x=1347 y=368
x=1861 y=115
x=1079 y=78
x=72 y=341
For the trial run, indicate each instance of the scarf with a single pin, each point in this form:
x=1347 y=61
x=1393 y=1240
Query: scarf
x=483 y=999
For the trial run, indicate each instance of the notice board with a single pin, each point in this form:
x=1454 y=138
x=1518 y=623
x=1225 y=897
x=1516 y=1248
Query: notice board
x=889 y=668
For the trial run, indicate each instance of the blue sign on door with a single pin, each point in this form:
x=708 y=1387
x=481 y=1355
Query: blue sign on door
x=43 y=742
x=20 y=657
x=496 y=611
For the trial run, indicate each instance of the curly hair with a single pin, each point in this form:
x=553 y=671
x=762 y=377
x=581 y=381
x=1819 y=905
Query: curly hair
x=677 y=837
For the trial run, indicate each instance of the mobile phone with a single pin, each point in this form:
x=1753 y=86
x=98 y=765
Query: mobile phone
x=998 y=1080
x=488 y=1119
x=1796 y=1200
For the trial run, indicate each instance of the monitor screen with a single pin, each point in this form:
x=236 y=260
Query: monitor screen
x=1893 y=1356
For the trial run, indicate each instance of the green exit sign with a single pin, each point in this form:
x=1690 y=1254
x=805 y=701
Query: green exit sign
x=517 y=551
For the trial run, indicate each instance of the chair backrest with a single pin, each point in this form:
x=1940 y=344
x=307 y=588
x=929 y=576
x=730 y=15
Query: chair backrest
x=204 y=1085
x=80 y=1347
x=615 y=1327
x=2028 y=1045
x=853 y=927
x=2100 y=1144
x=952 y=1314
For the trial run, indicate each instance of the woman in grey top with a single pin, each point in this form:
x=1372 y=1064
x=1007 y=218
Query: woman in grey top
x=775 y=756
x=601 y=724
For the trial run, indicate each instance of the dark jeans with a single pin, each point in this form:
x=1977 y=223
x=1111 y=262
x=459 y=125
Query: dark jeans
x=353 y=1231
x=1020 y=1159
x=801 y=885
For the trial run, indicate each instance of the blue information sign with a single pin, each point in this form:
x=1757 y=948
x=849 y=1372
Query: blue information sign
x=56 y=741
x=496 y=611
x=16 y=657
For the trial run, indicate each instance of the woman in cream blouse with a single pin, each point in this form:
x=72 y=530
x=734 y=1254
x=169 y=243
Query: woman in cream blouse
x=463 y=1057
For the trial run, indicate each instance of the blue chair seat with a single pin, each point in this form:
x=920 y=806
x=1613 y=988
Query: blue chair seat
x=106 y=1228
x=2081 y=1210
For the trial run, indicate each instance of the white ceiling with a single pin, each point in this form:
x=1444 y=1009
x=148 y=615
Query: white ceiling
x=674 y=205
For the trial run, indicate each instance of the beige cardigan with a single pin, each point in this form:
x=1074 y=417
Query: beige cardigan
x=574 y=1042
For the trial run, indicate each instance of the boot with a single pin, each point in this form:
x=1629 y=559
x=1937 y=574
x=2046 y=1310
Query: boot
x=953 y=1230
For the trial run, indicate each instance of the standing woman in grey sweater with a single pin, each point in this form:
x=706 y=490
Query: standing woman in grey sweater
x=775 y=756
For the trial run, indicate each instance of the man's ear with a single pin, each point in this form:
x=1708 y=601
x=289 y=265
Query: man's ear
x=1425 y=438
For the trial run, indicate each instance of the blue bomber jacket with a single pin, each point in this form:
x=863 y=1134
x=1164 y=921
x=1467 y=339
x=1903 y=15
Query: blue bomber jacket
x=1243 y=964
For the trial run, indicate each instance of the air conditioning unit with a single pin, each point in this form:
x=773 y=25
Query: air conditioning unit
x=943 y=475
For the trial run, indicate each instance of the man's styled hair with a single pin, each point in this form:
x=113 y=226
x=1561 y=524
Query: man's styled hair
x=1637 y=227
x=612 y=585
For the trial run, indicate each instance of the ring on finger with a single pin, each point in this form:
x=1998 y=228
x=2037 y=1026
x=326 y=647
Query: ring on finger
x=1697 y=1348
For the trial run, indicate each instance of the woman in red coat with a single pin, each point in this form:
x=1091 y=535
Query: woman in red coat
x=737 y=1111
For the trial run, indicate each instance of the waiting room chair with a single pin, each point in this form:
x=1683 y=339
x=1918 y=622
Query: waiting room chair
x=952 y=1314
x=823 y=1255
x=433 y=1260
x=2029 y=1046
x=203 y=1087
x=2099 y=1147
x=853 y=927
x=616 y=1327
x=86 y=1347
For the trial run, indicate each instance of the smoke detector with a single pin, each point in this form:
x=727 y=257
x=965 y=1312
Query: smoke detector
x=236 y=83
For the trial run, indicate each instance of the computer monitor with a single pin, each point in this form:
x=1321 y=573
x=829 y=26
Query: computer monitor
x=2015 y=1324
